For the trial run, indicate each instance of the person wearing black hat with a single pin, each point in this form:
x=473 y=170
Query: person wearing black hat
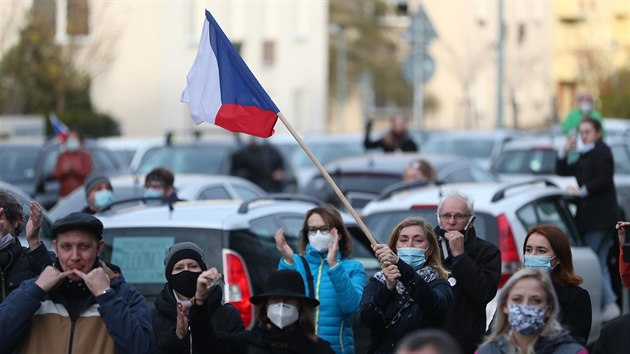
x=284 y=322
x=74 y=306
x=184 y=265
x=98 y=193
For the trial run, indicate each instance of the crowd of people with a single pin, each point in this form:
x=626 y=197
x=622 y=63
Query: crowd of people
x=429 y=296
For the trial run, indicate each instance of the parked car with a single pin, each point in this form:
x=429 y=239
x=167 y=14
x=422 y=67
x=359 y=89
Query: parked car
x=188 y=186
x=483 y=146
x=33 y=164
x=504 y=214
x=326 y=147
x=237 y=238
x=124 y=147
x=363 y=178
x=536 y=158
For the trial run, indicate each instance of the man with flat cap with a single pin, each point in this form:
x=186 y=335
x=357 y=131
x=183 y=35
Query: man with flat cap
x=73 y=306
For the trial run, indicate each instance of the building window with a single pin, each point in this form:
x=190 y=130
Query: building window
x=77 y=18
x=269 y=52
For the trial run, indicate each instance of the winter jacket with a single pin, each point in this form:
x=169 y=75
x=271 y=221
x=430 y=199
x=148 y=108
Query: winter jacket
x=560 y=344
x=476 y=274
x=624 y=268
x=597 y=211
x=225 y=318
x=33 y=321
x=390 y=142
x=18 y=263
x=420 y=300
x=81 y=163
x=338 y=290
x=575 y=311
x=614 y=338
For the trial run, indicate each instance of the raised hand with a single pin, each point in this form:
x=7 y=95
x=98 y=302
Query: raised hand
x=204 y=282
x=385 y=254
x=50 y=277
x=182 y=321
x=392 y=273
x=96 y=280
x=33 y=225
x=455 y=242
x=333 y=248
x=283 y=247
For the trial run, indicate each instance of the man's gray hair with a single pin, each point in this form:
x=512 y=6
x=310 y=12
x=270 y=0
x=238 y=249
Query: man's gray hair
x=456 y=194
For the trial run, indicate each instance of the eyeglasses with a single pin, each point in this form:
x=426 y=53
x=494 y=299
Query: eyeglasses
x=458 y=217
x=323 y=229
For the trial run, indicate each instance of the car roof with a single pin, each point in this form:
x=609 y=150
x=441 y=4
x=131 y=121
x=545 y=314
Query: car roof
x=392 y=164
x=483 y=195
x=207 y=214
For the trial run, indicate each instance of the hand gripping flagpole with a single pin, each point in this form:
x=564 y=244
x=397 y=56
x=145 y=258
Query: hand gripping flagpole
x=332 y=183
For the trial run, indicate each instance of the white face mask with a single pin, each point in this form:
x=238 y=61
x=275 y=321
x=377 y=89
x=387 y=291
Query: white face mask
x=73 y=145
x=320 y=241
x=282 y=315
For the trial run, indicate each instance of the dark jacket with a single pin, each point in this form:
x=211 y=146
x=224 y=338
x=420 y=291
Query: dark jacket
x=594 y=169
x=420 y=301
x=575 y=311
x=614 y=337
x=225 y=318
x=263 y=339
x=476 y=274
x=390 y=142
x=18 y=263
x=256 y=162
x=560 y=344
x=33 y=321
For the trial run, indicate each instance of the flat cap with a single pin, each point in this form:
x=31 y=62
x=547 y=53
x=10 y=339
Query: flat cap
x=78 y=221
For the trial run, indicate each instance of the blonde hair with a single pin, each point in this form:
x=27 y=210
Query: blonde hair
x=433 y=254
x=502 y=326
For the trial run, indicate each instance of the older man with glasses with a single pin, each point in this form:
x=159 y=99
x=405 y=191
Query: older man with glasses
x=475 y=267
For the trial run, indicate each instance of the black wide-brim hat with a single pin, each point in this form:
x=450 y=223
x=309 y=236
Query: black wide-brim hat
x=284 y=283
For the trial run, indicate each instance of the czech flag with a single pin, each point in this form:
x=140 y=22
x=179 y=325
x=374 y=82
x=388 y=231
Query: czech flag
x=60 y=129
x=222 y=90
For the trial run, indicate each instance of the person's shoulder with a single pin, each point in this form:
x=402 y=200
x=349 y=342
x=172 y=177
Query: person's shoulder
x=486 y=246
x=351 y=263
x=323 y=347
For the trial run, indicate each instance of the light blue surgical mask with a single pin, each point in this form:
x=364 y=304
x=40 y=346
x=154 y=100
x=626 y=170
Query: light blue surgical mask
x=153 y=193
x=413 y=256
x=103 y=199
x=73 y=145
x=543 y=262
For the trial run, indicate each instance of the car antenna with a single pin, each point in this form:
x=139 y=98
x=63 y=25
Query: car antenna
x=169 y=138
x=439 y=184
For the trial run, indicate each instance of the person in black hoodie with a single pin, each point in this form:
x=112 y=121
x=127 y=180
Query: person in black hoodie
x=18 y=263
x=184 y=265
x=284 y=322
x=597 y=208
x=397 y=139
x=475 y=267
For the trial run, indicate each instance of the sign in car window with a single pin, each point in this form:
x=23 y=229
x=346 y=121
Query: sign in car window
x=141 y=259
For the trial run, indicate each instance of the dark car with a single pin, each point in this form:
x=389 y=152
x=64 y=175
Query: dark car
x=29 y=166
x=364 y=178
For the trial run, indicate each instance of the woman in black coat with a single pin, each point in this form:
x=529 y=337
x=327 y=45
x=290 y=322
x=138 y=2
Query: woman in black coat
x=597 y=209
x=547 y=247
x=411 y=291
x=284 y=323
x=185 y=267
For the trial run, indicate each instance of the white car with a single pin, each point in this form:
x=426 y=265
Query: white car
x=504 y=214
x=189 y=187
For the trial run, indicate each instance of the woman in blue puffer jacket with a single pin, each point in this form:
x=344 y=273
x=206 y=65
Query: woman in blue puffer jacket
x=329 y=276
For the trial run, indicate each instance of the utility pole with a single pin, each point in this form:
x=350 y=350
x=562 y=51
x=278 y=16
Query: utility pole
x=500 y=63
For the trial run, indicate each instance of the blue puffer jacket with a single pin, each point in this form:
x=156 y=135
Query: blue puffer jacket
x=338 y=290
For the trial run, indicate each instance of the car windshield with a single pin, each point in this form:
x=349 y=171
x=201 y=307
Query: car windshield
x=526 y=161
x=203 y=159
x=139 y=252
x=18 y=164
x=466 y=147
x=325 y=153
x=382 y=224
x=621 y=155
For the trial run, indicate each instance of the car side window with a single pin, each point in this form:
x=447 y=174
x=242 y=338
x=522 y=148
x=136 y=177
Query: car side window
x=245 y=193
x=217 y=192
x=552 y=212
x=100 y=161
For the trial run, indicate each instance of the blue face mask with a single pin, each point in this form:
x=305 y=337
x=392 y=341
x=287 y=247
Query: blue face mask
x=73 y=145
x=103 y=198
x=153 y=193
x=413 y=256
x=543 y=262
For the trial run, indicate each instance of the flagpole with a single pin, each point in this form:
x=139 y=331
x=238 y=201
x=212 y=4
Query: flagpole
x=332 y=183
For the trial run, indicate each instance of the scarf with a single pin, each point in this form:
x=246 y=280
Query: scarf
x=427 y=273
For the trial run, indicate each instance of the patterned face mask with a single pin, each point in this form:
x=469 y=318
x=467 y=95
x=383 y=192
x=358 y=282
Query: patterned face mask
x=526 y=320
